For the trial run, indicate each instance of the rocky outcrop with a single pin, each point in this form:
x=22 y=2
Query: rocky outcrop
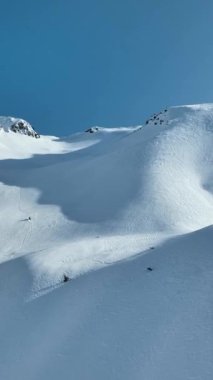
x=92 y=130
x=23 y=127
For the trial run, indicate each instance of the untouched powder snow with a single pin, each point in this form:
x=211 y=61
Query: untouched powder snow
x=138 y=198
x=121 y=322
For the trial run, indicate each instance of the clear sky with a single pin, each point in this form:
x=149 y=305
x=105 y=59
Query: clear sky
x=66 y=65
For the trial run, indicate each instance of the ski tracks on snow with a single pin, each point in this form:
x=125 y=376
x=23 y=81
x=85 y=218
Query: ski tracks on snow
x=29 y=227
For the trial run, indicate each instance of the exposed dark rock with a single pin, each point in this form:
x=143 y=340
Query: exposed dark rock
x=92 y=130
x=24 y=128
x=65 y=278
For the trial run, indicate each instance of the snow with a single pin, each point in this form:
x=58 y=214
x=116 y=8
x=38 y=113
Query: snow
x=15 y=125
x=118 y=200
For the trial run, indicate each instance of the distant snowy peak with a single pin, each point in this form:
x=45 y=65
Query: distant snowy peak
x=17 y=126
x=163 y=118
x=179 y=114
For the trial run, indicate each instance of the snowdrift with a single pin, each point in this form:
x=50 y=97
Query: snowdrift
x=96 y=198
x=121 y=322
x=138 y=198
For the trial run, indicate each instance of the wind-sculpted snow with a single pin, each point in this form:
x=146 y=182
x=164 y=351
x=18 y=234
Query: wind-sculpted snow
x=139 y=198
x=121 y=322
x=95 y=199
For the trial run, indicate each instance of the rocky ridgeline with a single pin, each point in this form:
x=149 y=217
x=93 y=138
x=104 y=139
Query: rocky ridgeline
x=17 y=126
x=159 y=118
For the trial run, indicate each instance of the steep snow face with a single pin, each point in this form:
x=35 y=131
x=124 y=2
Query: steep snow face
x=176 y=175
x=97 y=198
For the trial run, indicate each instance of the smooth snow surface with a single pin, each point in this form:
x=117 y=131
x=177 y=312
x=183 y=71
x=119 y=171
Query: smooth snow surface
x=134 y=197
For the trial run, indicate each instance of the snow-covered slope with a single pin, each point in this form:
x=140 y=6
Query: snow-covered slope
x=122 y=322
x=141 y=195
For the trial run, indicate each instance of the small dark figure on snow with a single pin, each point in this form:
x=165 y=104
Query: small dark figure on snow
x=149 y=269
x=29 y=218
x=65 y=278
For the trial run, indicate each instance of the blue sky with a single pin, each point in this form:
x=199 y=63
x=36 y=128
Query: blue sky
x=66 y=65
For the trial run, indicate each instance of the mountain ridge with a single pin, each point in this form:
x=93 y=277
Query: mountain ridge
x=137 y=185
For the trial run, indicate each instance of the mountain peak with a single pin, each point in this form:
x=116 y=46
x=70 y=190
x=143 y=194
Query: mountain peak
x=17 y=125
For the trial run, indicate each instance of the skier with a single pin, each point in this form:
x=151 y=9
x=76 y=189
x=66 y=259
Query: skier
x=29 y=218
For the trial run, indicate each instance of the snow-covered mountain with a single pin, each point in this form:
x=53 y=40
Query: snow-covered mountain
x=15 y=125
x=135 y=203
